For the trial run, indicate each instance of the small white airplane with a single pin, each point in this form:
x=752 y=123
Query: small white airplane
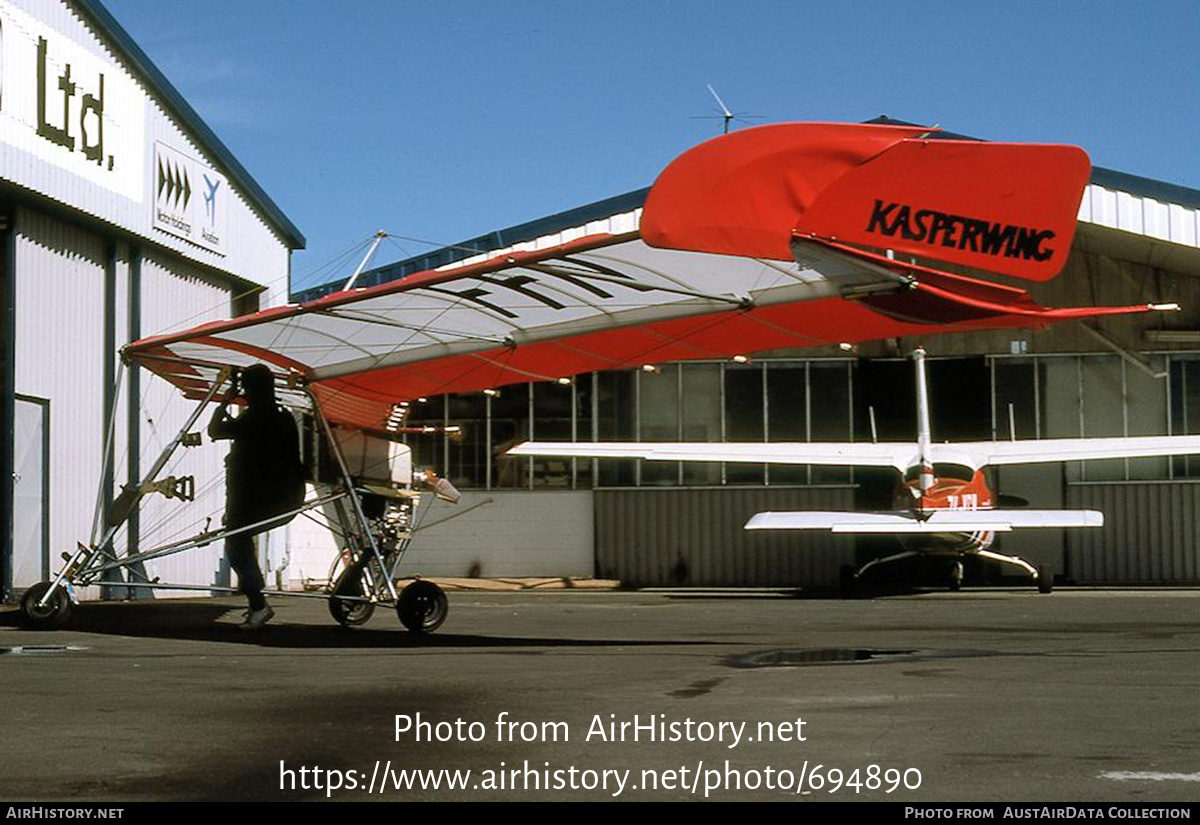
x=943 y=504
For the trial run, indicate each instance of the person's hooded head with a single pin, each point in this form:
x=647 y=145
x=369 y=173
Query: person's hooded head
x=258 y=386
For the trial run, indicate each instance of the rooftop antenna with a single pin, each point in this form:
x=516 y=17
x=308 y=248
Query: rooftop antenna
x=379 y=236
x=726 y=116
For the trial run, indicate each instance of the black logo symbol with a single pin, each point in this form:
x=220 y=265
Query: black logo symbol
x=173 y=182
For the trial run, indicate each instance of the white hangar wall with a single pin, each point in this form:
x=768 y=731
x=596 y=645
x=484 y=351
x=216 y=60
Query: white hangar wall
x=62 y=275
x=491 y=534
x=123 y=217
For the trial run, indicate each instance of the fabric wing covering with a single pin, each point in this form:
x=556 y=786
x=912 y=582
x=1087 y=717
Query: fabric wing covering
x=722 y=265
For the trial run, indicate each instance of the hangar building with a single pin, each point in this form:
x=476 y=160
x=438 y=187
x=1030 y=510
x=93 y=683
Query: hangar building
x=121 y=215
x=663 y=523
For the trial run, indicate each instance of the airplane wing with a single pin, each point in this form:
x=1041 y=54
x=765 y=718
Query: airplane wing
x=978 y=454
x=672 y=282
x=897 y=455
x=938 y=521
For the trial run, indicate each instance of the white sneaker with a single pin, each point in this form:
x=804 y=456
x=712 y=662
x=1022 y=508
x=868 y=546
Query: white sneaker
x=257 y=619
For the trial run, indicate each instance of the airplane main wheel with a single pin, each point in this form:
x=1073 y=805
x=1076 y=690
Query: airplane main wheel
x=1045 y=578
x=49 y=616
x=349 y=613
x=422 y=606
x=956 y=575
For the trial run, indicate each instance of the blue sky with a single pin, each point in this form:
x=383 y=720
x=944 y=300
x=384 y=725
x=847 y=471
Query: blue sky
x=441 y=121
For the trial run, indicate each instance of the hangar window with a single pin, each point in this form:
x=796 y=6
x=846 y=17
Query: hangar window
x=769 y=400
x=1095 y=396
x=700 y=419
x=466 y=453
x=1185 y=410
x=658 y=420
x=745 y=417
x=616 y=420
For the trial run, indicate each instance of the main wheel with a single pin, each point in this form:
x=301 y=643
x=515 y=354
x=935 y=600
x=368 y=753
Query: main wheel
x=422 y=606
x=1045 y=578
x=344 y=612
x=956 y=575
x=49 y=616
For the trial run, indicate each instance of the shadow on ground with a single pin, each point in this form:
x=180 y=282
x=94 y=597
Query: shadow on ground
x=218 y=622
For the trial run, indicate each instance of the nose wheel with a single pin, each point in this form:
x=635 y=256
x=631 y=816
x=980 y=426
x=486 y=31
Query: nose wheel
x=1045 y=578
x=344 y=611
x=45 y=607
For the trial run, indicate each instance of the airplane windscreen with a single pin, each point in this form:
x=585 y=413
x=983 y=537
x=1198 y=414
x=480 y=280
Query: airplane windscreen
x=956 y=472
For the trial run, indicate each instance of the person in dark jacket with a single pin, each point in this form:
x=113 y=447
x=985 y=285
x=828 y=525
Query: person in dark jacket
x=262 y=478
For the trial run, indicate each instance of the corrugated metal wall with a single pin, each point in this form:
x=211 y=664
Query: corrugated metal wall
x=60 y=275
x=643 y=535
x=176 y=295
x=59 y=333
x=1151 y=533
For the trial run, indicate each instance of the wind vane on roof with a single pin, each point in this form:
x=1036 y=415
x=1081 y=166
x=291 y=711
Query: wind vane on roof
x=725 y=115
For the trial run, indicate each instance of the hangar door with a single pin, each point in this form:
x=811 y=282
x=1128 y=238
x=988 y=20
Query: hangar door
x=31 y=491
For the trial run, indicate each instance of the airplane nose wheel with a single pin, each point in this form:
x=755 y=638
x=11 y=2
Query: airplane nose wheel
x=349 y=613
x=49 y=616
x=422 y=606
x=1045 y=578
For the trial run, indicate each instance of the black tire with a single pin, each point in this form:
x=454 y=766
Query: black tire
x=349 y=613
x=847 y=580
x=422 y=607
x=50 y=616
x=1045 y=578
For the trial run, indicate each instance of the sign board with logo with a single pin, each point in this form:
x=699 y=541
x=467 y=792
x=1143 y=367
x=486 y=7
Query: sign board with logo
x=69 y=106
x=190 y=199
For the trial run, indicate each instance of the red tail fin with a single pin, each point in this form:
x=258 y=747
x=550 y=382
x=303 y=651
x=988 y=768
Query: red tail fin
x=1001 y=207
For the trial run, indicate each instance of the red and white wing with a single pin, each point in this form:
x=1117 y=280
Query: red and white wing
x=683 y=283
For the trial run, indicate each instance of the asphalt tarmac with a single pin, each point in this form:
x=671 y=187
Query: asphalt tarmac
x=984 y=695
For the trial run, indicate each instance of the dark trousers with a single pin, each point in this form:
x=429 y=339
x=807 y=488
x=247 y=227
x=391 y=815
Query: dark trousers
x=243 y=559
